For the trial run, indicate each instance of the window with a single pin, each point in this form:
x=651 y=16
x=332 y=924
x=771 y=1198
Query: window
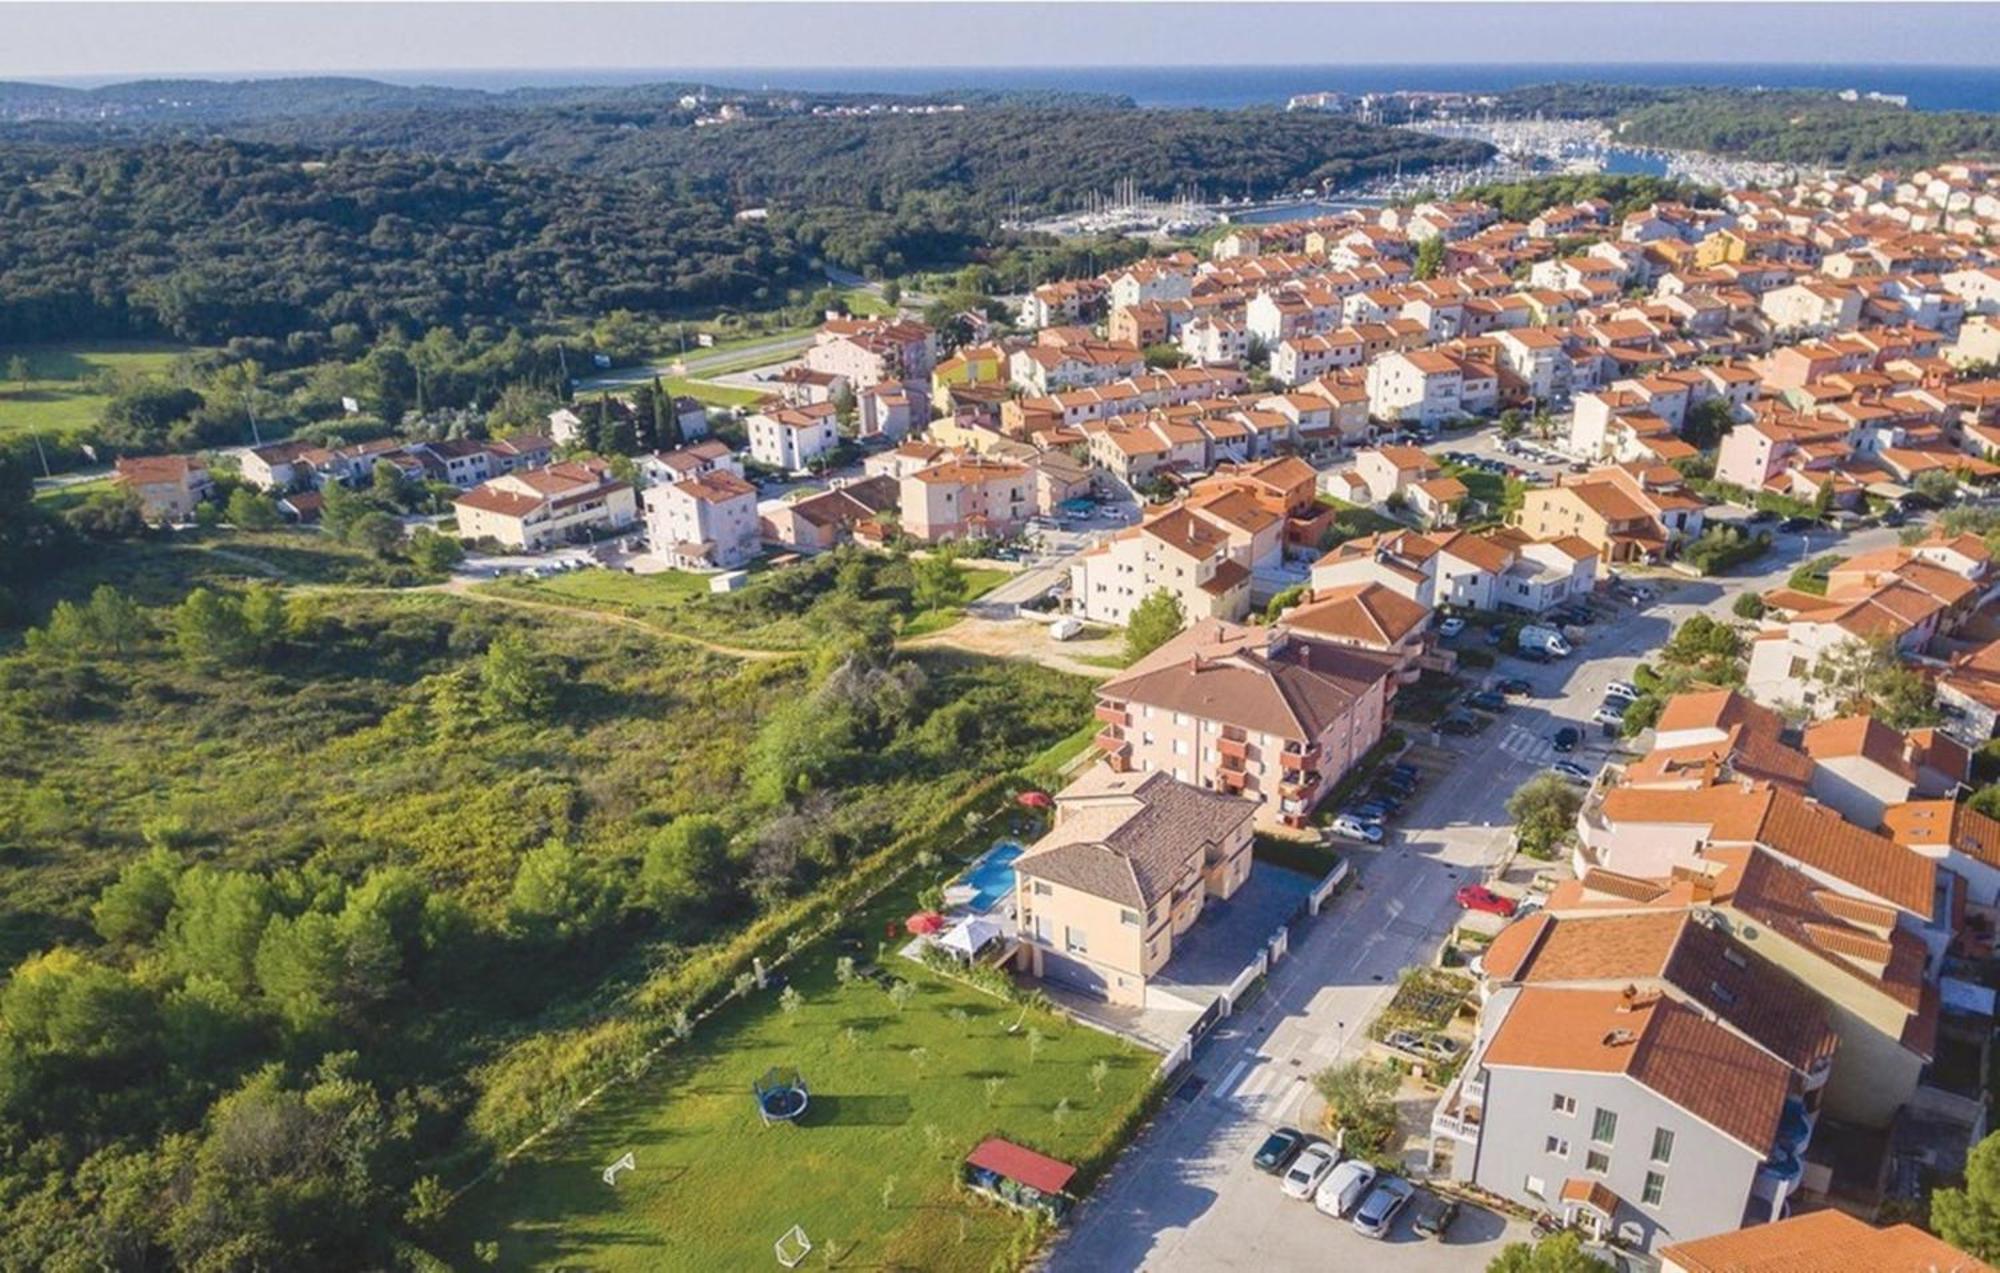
x=1663 y=1145
x=1597 y=1162
x=1073 y=938
x=1656 y=1188
x=1043 y=890
x=1534 y=1187
x=1556 y=1146
x=1564 y=1104
x=1129 y=918
x=1604 y=1128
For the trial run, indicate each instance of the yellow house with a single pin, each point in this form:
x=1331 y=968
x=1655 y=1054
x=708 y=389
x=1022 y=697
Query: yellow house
x=1724 y=247
x=1101 y=899
x=973 y=365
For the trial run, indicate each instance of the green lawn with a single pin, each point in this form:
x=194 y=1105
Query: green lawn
x=1354 y=520
x=59 y=399
x=1812 y=576
x=714 y=395
x=898 y=1098
x=57 y=499
x=769 y=614
x=161 y=571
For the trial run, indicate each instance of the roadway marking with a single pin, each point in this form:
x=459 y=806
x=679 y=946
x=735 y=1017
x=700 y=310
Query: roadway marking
x=1230 y=1077
x=1524 y=744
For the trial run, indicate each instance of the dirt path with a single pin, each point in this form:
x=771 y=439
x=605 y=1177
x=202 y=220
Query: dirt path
x=1021 y=639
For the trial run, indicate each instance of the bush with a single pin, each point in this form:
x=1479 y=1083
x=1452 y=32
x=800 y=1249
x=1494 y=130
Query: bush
x=1748 y=606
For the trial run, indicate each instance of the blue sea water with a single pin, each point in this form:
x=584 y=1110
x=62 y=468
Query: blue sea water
x=1927 y=87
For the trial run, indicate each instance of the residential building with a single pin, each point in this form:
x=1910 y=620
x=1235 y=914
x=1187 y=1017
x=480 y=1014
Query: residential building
x=828 y=519
x=1273 y=715
x=869 y=351
x=1625 y=512
x=1176 y=551
x=1122 y=874
x=704 y=522
x=657 y=467
x=791 y=438
x=970 y=498
x=168 y=487
x=1828 y=1241
x=544 y=507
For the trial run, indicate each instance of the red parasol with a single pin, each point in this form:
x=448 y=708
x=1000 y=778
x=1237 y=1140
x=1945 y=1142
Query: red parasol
x=1034 y=799
x=924 y=922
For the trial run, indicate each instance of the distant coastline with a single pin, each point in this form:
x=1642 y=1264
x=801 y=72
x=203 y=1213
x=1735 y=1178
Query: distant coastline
x=1931 y=88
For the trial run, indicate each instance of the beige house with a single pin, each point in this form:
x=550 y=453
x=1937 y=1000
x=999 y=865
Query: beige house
x=969 y=498
x=1124 y=873
x=539 y=508
x=167 y=486
x=1179 y=552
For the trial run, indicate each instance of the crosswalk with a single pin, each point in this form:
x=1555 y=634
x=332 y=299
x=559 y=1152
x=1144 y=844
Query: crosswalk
x=1269 y=1091
x=1525 y=744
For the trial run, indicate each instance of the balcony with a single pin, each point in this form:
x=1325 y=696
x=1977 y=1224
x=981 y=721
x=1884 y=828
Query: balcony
x=1295 y=757
x=1230 y=779
x=1117 y=749
x=1114 y=714
x=1237 y=749
x=1298 y=786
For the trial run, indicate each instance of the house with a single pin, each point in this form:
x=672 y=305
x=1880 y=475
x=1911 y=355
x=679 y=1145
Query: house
x=1265 y=713
x=276 y=466
x=1177 y=551
x=168 y=487
x=1625 y=512
x=704 y=522
x=689 y=461
x=792 y=438
x=1366 y=616
x=1604 y=1107
x=970 y=498
x=1421 y=386
x=1861 y=766
x=1828 y=1241
x=868 y=351
x=1122 y=874
x=539 y=508
x=1391 y=471
x=828 y=519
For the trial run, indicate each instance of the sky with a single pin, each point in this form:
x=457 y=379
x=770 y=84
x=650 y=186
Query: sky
x=122 y=40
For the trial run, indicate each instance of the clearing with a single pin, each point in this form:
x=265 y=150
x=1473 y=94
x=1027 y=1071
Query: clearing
x=64 y=393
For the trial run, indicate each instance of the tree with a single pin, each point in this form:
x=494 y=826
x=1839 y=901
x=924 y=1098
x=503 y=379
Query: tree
x=686 y=867
x=1986 y=800
x=1430 y=257
x=1642 y=714
x=1870 y=677
x=1969 y=1217
x=133 y=908
x=208 y=627
x=19 y=372
x=1543 y=808
x=1360 y=1101
x=435 y=553
x=1155 y=621
x=1748 y=605
x=936 y=582
x=1937 y=485
x=513 y=684
x=376 y=531
x=1560 y=1253
x=892 y=292
x=1707 y=423
x=217 y=920
x=248 y=510
x=1702 y=638
x=1284 y=601
x=558 y=894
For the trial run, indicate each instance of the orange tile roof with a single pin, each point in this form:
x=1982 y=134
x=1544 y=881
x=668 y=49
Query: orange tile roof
x=1821 y=1242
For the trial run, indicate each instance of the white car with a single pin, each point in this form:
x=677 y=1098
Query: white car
x=1355 y=829
x=1607 y=715
x=1573 y=771
x=1451 y=627
x=1307 y=1170
x=1377 y=1214
x=1067 y=628
x=1623 y=689
x=1345 y=1188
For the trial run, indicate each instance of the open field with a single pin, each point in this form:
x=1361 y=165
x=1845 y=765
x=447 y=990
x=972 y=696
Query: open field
x=59 y=399
x=778 y=610
x=898 y=1097
x=162 y=570
x=714 y=395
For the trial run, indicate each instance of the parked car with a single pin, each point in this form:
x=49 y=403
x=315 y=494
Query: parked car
x=1486 y=700
x=1459 y=724
x=1516 y=687
x=1344 y=1189
x=1400 y=780
x=1303 y=1178
x=1574 y=772
x=1431 y=1047
x=1390 y=800
x=1792 y=525
x=1431 y=1214
x=1612 y=713
x=1451 y=627
x=1371 y=811
x=1355 y=829
x=1895 y=517
x=1067 y=628
x=1477 y=897
x=1566 y=739
x=1278 y=1149
x=1377 y=1213
x=1496 y=634
x=1761 y=516
x=1622 y=689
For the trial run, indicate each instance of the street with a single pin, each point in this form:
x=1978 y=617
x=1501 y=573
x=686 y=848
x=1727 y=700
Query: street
x=1186 y=1195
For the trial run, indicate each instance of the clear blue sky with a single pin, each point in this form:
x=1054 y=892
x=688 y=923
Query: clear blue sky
x=41 y=41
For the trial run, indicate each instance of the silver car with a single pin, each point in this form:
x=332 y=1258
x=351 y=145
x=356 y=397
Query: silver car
x=1377 y=1214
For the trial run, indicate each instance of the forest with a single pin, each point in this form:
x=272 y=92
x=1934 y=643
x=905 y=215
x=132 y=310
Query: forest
x=347 y=861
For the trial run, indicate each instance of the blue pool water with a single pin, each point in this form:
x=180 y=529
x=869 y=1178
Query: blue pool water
x=992 y=875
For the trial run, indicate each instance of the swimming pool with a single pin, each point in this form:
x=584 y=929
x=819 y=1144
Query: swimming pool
x=992 y=877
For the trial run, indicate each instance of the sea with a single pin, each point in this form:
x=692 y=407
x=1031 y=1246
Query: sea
x=1927 y=87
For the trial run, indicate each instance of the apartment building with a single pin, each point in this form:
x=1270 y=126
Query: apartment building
x=1122 y=874
x=791 y=438
x=167 y=487
x=704 y=522
x=1178 y=551
x=869 y=351
x=539 y=508
x=969 y=498
x=1264 y=713
x=1625 y=512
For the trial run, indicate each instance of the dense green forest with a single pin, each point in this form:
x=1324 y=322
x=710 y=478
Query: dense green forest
x=204 y=242
x=1625 y=192
x=1779 y=125
x=293 y=885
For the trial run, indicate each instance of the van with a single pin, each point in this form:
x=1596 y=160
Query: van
x=1067 y=628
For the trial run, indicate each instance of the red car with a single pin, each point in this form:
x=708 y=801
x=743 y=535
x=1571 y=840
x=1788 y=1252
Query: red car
x=1477 y=897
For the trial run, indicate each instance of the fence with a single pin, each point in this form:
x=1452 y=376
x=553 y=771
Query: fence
x=1324 y=889
x=1280 y=944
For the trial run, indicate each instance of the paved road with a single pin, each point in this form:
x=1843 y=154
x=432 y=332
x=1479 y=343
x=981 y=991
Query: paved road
x=1185 y=1196
x=777 y=349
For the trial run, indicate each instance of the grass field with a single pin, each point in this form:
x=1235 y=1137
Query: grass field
x=162 y=571
x=681 y=602
x=714 y=395
x=59 y=399
x=898 y=1097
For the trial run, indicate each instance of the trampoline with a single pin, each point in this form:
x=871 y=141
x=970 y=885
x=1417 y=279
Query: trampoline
x=781 y=1095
